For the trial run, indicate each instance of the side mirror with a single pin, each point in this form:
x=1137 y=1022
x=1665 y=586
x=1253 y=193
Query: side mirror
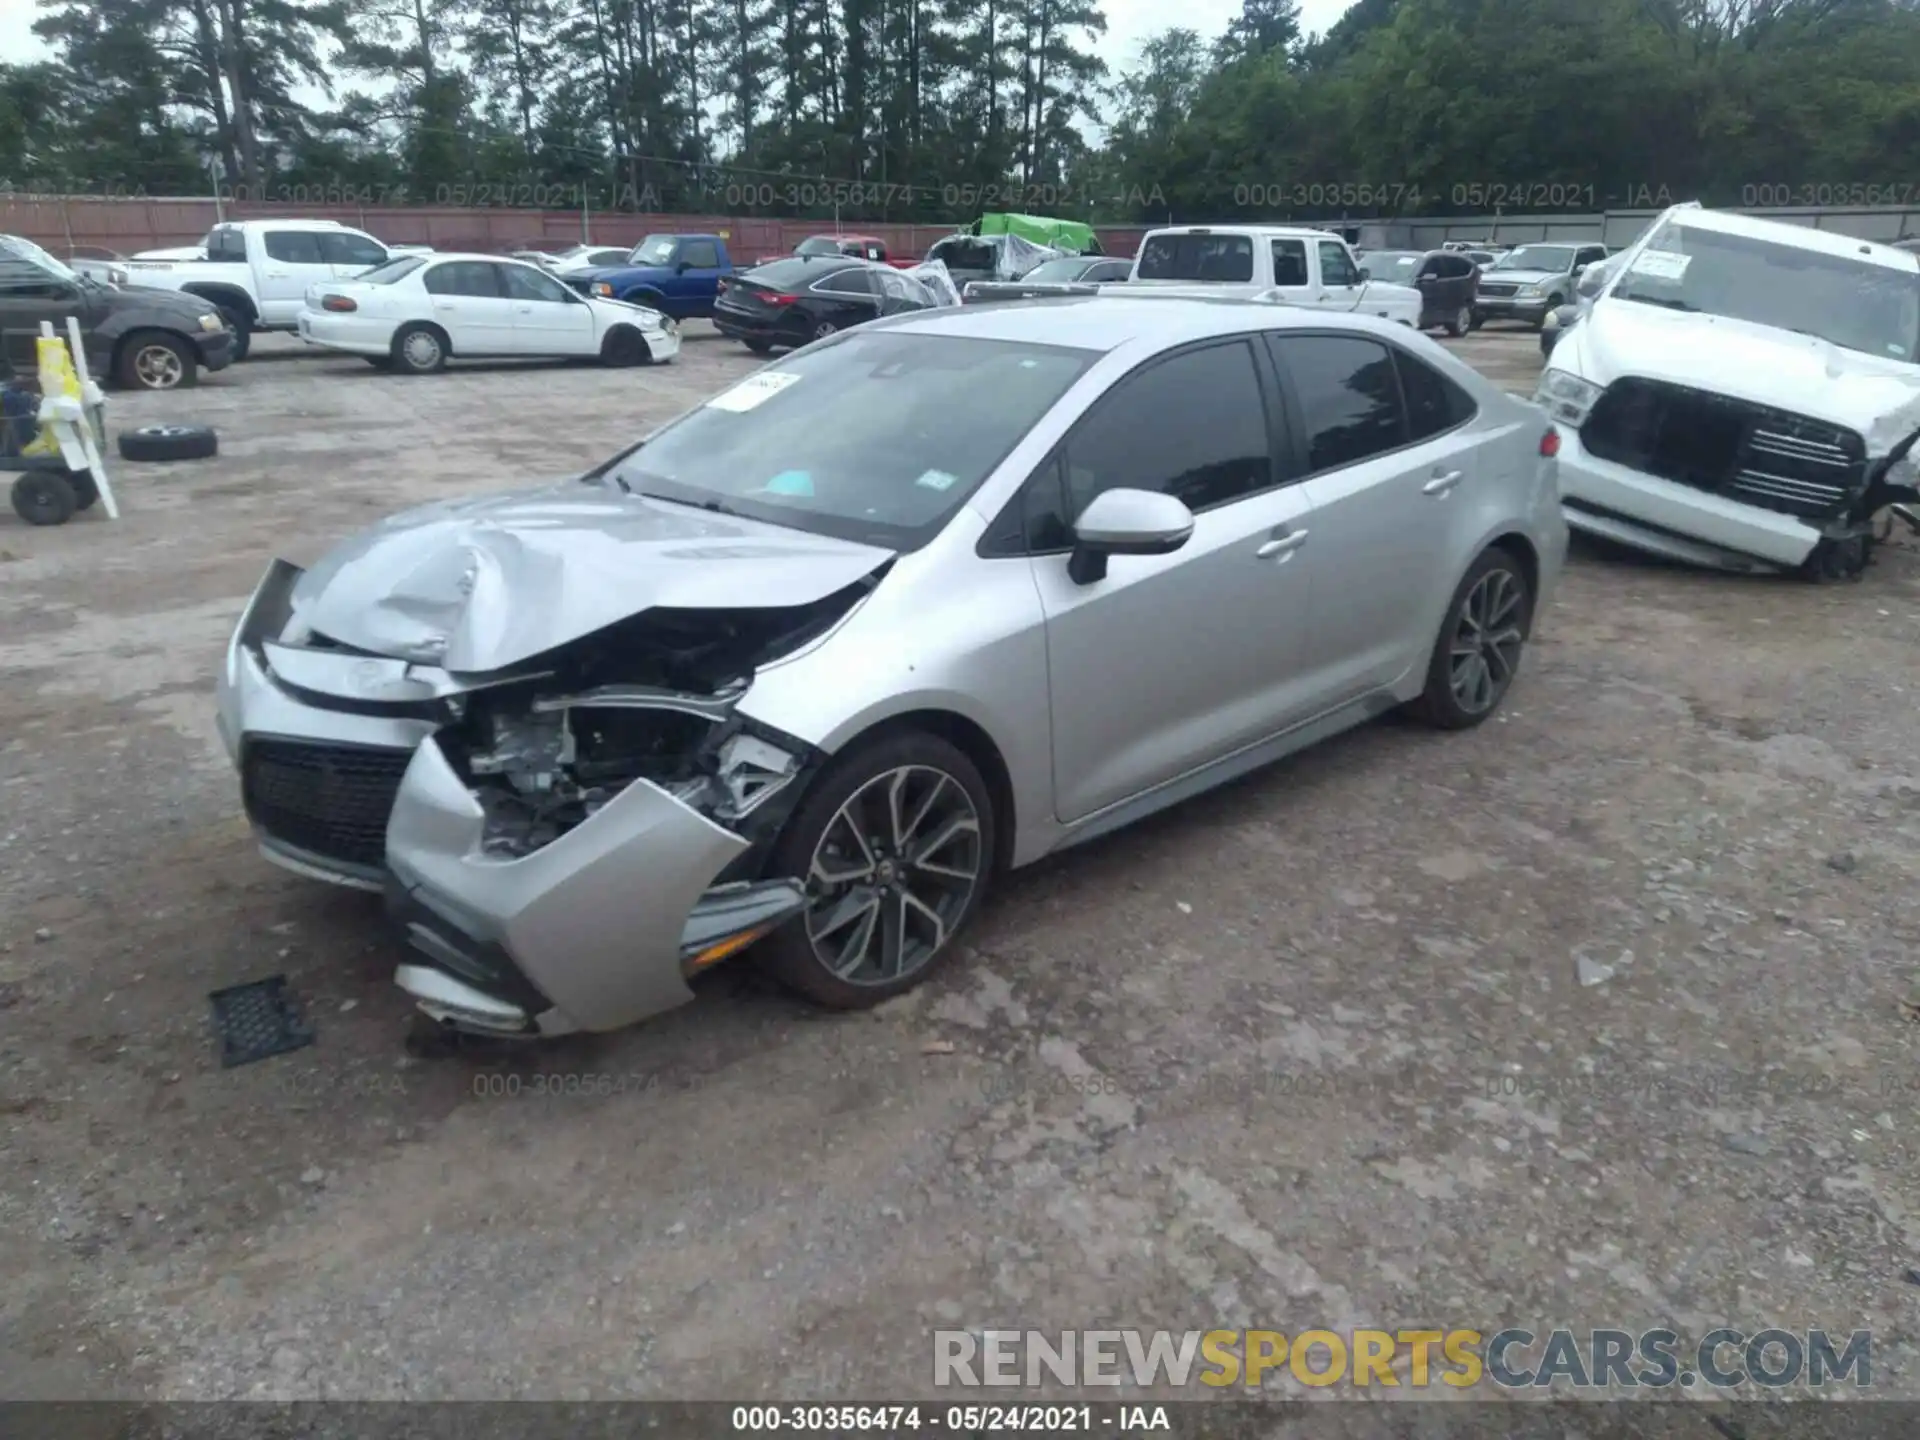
x=1126 y=522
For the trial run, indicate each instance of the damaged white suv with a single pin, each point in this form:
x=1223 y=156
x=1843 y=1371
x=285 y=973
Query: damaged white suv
x=1737 y=394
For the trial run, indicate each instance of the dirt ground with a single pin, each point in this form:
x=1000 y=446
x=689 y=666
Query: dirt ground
x=1597 y=1015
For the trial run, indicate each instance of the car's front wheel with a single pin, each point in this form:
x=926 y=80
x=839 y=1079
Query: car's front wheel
x=1478 y=652
x=895 y=845
x=155 y=360
x=1461 y=322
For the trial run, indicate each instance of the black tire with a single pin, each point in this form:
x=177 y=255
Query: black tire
x=759 y=347
x=44 y=497
x=420 y=349
x=155 y=360
x=85 y=492
x=1495 y=586
x=1478 y=321
x=623 y=346
x=1460 y=322
x=242 y=329
x=169 y=442
x=861 y=779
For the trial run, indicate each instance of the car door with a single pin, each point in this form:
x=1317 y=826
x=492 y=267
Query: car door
x=467 y=304
x=844 y=298
x=1389 y=470
x=1340 y=280
x=1173 y=661
x=548 y=319
x=291 y=261
x=350 y=253
x=29 y=295
x=697 y=277
x=1292 y=271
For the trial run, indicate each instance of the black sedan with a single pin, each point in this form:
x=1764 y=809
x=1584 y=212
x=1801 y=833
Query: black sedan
x=1446 y=279
x=804 y=298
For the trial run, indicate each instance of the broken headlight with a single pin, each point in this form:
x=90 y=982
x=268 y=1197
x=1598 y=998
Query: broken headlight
x=1566 y=397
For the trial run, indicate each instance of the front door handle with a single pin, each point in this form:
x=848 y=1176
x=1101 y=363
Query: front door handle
x=1281 y=545
x=1441 y=484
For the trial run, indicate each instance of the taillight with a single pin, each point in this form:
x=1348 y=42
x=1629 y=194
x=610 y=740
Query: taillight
x=1550 y=443
x=339 y=304
x=773 y=299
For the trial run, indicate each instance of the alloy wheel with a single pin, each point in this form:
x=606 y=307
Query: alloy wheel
x=1487 y=637
x=824 y=329
x=158 y=367
x=891 y=875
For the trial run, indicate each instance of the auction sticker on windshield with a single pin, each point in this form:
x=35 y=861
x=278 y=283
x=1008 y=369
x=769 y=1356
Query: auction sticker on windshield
x=752 y=391
x=1661 y=264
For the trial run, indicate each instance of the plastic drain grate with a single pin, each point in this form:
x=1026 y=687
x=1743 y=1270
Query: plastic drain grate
x=256 y=1020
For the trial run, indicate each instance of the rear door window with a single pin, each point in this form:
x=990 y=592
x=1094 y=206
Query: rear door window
x=1434 y=404
x=463 y=277
x=294 y=247
x=1190 y=256
x=1349 y=397
x=1289 y=262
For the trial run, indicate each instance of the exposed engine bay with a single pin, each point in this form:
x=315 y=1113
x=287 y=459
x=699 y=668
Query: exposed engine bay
x=651 y=698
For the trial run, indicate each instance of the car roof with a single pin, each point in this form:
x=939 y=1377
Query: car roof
x=1107 y=321
x=1250 y=230
x=1827 y=242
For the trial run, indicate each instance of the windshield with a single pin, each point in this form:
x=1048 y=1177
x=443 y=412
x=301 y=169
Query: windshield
x=818 y=245
x=1554 y=259
x=1391 y=264
x=31 y=253
x=878 y=438
x=1854 y=304
x=391 y=271
x=1196 y=257
x=1047 y=272
x=654 y=250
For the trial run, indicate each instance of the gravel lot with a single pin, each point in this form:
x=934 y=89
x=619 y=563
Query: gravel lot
x=1597 y=1015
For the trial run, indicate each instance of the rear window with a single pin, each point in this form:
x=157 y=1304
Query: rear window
x=391 y=271
x=1197 y=257
x=791 y=274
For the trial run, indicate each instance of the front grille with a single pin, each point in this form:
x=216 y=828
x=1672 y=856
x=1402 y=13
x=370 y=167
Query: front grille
x=1752 y=453
x=329 y=800
x=1497 y=289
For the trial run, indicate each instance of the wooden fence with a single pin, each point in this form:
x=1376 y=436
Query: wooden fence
x=65 y=224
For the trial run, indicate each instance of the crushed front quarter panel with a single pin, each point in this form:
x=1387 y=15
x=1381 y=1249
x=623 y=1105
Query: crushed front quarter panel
x=595 y=918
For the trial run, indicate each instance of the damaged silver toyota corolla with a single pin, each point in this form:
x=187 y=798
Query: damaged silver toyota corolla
x=811 y=663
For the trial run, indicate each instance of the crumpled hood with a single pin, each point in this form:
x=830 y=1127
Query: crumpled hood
x=1800 y=373
x=478 y=585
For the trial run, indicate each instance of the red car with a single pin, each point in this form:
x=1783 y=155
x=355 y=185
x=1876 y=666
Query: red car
x=859 y=247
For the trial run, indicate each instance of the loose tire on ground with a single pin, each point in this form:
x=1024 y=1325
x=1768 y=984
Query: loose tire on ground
x=1483 y=637
x=155 y=360
x=954 y=837
x=169 y=442
x=44 y=497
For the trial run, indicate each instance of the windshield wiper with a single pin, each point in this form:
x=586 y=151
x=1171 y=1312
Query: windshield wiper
x=717 y=507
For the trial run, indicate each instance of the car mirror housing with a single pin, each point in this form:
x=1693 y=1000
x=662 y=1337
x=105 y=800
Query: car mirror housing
x=1126 y=522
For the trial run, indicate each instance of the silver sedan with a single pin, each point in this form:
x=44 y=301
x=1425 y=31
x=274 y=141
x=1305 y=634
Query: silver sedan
x=802 y=672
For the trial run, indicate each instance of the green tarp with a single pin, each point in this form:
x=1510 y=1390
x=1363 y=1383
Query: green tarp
x=1068 y=235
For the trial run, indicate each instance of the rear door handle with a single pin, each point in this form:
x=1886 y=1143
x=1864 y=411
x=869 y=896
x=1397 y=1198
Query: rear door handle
x=1441 y=484
x=1281 y=545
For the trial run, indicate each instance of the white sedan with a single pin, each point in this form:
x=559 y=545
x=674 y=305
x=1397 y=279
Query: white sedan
x=416 y=312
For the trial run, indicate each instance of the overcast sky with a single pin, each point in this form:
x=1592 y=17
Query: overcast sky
x=1128 y=23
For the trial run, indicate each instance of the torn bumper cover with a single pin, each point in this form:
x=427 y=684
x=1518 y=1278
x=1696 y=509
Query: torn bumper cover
x=542 y=895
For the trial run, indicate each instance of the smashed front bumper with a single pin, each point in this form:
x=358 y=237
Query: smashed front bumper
x=598 y=928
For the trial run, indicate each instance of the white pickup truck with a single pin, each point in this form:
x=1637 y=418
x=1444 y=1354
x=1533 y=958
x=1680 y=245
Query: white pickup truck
x=1269 y=262
x=258 y=271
